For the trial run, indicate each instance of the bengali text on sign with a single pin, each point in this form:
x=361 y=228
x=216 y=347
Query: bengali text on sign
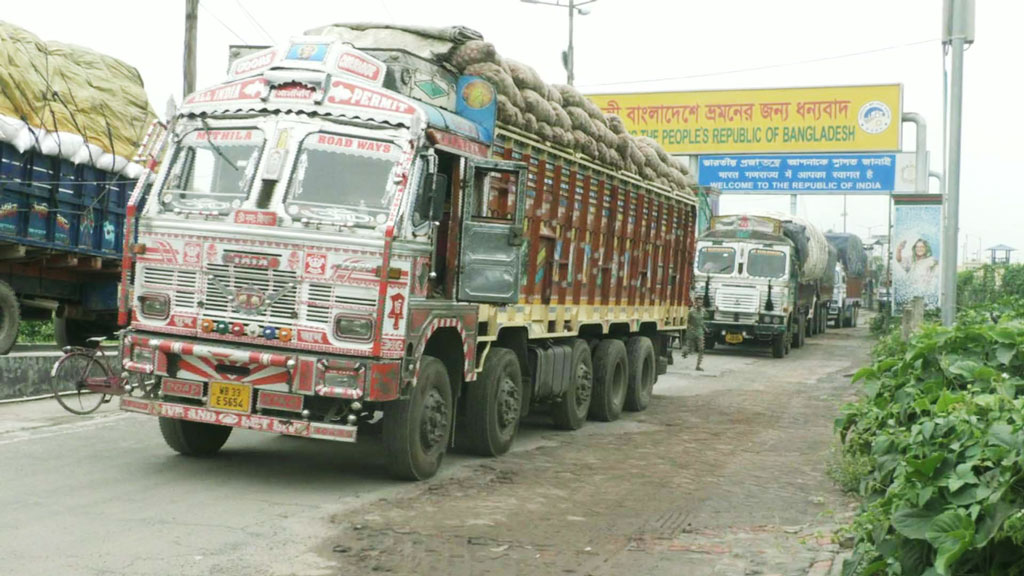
x=826 y=119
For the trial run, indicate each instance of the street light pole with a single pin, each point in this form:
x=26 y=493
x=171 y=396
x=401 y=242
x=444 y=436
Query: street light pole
x=574 y=6
x=959 y=31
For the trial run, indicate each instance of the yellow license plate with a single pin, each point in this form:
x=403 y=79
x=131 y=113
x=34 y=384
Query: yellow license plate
x=230 y=396
x=734 y=338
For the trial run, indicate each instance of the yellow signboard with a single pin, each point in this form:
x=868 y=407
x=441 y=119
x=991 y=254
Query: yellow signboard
x=827 y=119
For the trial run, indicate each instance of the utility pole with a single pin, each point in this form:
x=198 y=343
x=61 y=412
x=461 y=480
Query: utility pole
x=189 y=64
x=568 y=53
x=574 y=6
x=958 y=24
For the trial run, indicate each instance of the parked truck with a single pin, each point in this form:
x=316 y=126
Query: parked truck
x=70 y=120
x=341 y=238
x=851 y=266
x=763 y=279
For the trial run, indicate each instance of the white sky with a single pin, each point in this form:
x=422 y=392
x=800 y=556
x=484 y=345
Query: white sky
x=696 y=44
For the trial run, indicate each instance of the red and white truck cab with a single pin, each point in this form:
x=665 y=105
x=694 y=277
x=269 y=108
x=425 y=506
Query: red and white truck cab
x=321 y=247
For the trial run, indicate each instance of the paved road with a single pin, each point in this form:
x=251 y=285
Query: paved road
x=103 y=495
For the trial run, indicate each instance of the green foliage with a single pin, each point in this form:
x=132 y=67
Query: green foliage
x=35 y=332
x=936 y=449
x=989 y=284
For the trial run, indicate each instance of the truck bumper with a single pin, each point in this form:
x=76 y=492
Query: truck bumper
x=749 y=331
x=260 y=423
x=288 y=392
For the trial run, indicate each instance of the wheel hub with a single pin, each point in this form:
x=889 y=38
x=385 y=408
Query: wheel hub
x=434 y=427
x=509 y=403
x=584 y=386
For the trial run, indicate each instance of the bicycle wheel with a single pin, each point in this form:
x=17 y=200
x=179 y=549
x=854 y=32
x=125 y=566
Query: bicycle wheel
x=71 y=378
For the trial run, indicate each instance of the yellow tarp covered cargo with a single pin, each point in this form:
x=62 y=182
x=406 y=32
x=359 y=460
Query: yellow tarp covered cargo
x=65 y=88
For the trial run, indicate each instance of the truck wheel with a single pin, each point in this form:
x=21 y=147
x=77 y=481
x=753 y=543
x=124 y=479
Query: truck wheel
x=417 y=428
x=493 y=405
x=611 y=376
x=778 y=346
x=193 y=438
x=709 y=341
x=640 y=359
x=798 y=332
x=75 y=332
x=570 y=412
x=10 y=318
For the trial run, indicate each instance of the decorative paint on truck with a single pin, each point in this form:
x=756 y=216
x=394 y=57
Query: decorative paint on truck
x=329 y=250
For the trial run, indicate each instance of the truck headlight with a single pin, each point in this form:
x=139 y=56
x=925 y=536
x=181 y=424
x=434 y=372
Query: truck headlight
x=156 y=306
x=353 y=328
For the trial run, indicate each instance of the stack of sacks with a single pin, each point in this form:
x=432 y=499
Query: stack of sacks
x=70 y=101
x=562 y=115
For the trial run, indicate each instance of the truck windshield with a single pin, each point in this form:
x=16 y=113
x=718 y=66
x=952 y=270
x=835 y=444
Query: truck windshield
x=716 y=260
x=766 y=263
x=212 y=170
x=343 y=179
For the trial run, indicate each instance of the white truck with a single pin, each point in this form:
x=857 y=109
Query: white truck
x=763 y=279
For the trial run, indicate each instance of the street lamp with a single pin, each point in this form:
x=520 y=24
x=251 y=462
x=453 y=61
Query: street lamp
x=575 y=7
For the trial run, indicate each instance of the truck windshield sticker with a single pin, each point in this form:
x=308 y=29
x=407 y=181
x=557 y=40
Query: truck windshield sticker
x=716 y=260
x=212 y=170
x=342 y=179
x=766 y=263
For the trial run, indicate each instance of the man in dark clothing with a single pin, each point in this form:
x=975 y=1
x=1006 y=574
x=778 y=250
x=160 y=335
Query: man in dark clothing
x=695 y=332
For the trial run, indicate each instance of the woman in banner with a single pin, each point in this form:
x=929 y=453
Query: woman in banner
x=921 y=267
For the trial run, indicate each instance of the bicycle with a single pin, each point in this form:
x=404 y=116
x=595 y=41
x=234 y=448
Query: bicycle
x=82 y=379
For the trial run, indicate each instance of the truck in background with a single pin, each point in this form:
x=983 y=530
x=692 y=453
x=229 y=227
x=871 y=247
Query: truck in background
x=847 y=292
x=763 y=279
x=325 y=251
x=70 y=121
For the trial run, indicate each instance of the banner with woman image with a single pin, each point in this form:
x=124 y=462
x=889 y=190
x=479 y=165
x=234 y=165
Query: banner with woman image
x=916 y=250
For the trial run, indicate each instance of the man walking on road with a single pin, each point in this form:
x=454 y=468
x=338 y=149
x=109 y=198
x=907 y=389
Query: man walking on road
x=695 y=332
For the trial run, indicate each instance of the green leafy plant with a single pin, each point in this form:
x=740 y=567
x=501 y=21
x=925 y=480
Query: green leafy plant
x=941 y=427
x=35 y=332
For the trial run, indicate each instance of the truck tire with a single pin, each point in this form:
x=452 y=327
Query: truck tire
x=493 y=405
x=798 y=332
x=10 y=318
x=417 y=428
x=193 y=438
x=570 y=411
x=778 y=346
x=75 y=332
x=611 y=377
x=642 y=367
x=709 y=341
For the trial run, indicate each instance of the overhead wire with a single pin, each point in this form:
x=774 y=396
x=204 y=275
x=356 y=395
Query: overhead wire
x=255 y=22
x=764 y=67
x=222 y=23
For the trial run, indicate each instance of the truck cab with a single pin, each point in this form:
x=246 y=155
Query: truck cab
x=747 y=289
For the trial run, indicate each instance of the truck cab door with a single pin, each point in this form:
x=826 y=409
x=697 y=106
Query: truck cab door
x=491 y=251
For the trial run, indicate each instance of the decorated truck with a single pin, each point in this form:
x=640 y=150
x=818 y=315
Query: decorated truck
x=844 y=308
x=342 y=238
x=764 y=280
x=70 y=119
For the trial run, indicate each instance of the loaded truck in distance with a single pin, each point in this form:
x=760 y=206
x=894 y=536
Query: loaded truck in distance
x=342 y=238
x=844 y=308
x=70 y=120
x=764 y=280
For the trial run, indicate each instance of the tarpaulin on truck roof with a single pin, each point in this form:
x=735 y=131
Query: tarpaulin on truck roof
x=65 y=88
x=851 y=252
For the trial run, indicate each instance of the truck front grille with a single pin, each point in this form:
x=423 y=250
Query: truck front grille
x=736 y=299
x=279 y=283
x=324 y=297
x=181 y=284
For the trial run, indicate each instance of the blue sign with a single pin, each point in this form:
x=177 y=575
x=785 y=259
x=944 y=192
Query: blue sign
x=800 y=174
x=477 y=101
